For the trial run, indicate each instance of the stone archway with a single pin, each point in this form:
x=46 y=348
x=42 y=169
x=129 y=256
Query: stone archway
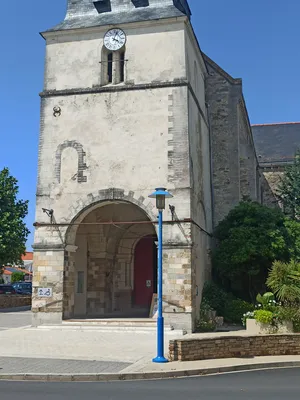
x=100 y=260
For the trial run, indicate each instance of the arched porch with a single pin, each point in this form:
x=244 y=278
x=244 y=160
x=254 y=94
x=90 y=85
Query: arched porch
x=111 y=270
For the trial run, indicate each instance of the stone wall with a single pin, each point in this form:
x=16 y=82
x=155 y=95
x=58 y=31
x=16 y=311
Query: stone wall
x=234 y=163
x=234 y=346
x=177 y=283
x=270 y=182
x=99 y=286
x=11 y=301
x=222 y=95
x=200 y=171
x=249 y=175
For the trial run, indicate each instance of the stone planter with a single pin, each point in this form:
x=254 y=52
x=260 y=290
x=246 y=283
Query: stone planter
x=256 y=328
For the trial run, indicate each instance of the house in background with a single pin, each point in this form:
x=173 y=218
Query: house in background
x=25 y=267
x=8 y=271
x=28 y=261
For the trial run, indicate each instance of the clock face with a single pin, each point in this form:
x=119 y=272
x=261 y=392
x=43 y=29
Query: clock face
x=114 y=39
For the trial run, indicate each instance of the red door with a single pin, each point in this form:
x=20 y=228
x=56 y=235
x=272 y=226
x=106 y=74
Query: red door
x=143 y=272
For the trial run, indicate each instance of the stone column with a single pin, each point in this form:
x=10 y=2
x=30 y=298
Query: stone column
x=48 y=271
x=177 y=289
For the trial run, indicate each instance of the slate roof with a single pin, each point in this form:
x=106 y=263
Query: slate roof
x=276 y=143
x=89 y=13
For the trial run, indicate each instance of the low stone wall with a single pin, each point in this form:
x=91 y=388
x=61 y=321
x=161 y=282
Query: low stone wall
x=12 y=301
x=233 y=347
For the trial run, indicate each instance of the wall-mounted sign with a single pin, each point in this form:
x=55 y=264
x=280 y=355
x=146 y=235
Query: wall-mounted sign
x=44 y=292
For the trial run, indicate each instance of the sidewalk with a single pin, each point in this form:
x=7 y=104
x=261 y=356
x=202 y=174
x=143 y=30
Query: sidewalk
x=71 y=370
x=90 y=355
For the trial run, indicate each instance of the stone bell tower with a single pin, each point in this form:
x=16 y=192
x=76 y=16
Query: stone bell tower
x=122 y=112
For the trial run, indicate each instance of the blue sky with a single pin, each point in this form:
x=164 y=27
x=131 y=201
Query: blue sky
x=255 y=40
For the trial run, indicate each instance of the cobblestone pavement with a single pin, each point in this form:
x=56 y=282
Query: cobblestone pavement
x=10 y=365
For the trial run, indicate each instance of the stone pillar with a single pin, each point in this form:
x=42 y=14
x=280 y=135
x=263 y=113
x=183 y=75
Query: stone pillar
x=48 y=271
x=177 y=285
x=69 y=282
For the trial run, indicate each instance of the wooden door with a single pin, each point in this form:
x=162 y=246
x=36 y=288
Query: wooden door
x=144 y=274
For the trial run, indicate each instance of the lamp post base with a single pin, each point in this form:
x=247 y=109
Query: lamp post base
x=160 y=360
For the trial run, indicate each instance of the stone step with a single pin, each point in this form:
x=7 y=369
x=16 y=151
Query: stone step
x=112 y=322
x=110 y=326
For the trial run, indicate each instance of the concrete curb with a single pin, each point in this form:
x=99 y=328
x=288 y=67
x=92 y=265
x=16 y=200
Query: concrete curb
x=146 y=375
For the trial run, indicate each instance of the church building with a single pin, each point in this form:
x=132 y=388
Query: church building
x=130 y=103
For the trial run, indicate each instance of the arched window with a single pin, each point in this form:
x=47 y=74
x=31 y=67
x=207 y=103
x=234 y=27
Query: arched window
x=112 y=67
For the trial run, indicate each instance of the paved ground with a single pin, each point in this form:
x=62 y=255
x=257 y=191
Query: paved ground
x=108 y=351
x=27 y=350
x=10 y=365
x=267 y=385
x=14 y=318
x=92 y=345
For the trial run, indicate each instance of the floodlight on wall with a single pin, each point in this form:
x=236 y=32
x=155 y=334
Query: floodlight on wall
x=48 y=212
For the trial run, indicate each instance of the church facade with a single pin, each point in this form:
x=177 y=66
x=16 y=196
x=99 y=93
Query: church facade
x=130 y=103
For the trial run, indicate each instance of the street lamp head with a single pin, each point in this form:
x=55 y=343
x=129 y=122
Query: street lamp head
x=160 y=195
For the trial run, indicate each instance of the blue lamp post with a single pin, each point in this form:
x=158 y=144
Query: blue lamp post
x=160 y=195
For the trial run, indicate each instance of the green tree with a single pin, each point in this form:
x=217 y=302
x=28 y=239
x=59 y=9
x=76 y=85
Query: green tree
x=289 y=188
x=13 y=231
x=17 y=277
x=249 y=240
x=293 y=238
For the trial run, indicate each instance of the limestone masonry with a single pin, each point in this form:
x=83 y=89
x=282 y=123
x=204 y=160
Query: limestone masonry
x=234 y=347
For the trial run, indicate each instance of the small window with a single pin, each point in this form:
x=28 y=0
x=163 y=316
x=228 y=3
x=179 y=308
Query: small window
x=80 y=282
x=110 y=67
x=122 y=66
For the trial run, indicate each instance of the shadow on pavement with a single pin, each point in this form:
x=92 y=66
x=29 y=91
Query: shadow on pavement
x=15 y=309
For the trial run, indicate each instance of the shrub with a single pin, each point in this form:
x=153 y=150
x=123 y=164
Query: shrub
x=290 y=313
x=249 y=239
x=235 y=310
x=17 y=277
x=263 y=316
x=216 y=297
x=206 y=322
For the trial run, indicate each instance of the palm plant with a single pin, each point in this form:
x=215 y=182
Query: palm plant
x=295 y=275
x=284 y=281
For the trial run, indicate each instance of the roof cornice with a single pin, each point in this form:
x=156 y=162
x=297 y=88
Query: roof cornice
x=221 y=71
